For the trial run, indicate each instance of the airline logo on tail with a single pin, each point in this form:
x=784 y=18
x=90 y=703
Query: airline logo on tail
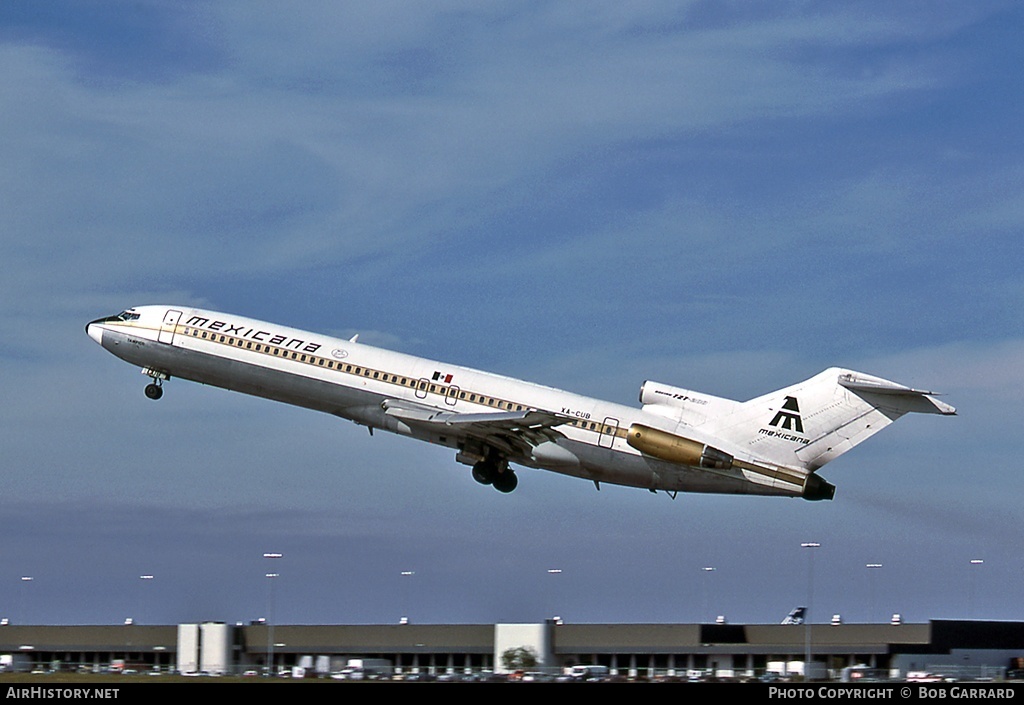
x=788 y=417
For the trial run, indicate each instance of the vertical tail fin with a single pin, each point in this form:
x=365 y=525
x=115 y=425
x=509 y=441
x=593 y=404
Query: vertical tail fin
x=810 y=423
x=796 y=616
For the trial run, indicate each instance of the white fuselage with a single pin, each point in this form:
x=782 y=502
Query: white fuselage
x=361 y=383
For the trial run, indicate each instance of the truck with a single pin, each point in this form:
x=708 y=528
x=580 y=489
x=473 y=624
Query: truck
x=358 y=669
x=19 y=663
x=589 y=672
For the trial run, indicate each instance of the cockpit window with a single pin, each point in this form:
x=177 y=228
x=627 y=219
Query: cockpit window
x=127 y=316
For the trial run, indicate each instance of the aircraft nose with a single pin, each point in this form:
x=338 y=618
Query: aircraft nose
x=95 y=331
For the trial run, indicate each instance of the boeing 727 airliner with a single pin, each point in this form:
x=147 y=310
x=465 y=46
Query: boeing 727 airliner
x=677 y=441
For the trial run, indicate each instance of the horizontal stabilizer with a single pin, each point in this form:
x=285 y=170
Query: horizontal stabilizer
x=914 y=399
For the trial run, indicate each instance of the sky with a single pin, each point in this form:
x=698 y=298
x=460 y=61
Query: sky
x=728 y=197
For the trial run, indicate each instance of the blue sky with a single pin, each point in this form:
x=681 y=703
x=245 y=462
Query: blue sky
x=727 y=197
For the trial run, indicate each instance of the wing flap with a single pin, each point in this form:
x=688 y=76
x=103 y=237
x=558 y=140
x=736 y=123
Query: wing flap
x=527 y=419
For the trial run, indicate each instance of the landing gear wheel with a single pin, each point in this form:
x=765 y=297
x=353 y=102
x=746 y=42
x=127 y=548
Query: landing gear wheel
x=484 y=472
x=493 y=470
x=154 y=390
x=505 y=481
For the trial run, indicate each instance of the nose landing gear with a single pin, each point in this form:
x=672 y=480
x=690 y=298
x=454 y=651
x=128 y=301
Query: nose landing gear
x=154 y=390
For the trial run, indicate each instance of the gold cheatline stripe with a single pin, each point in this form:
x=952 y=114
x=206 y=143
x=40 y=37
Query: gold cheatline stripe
x=416 y=384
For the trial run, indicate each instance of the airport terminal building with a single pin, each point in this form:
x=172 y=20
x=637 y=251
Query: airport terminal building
x=637 y=651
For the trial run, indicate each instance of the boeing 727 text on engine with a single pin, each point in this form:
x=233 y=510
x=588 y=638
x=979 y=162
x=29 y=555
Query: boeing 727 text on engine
x=677 y=441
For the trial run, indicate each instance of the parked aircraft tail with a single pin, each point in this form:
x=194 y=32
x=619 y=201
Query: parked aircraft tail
x=796 y=616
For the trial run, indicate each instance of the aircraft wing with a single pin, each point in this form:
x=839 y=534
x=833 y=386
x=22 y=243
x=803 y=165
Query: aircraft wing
x=515 y=432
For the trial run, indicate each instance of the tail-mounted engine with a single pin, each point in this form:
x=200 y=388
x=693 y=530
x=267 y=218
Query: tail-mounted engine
x=677 y=449
x=684 y=405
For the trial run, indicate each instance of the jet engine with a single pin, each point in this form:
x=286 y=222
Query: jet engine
x=677 y=449
x=652 y=392
x=816 y=488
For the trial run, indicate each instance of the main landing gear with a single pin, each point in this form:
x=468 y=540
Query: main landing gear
x=494 y=470
x=155 y=390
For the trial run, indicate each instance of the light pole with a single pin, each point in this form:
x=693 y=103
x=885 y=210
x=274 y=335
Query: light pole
x=405 y=594
x=271 y=577
x=707 y=570
x=554 y=572
x=25 y=581
x=872 y=567
x=807 y=612
x=970 y=585
x=145 y=579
